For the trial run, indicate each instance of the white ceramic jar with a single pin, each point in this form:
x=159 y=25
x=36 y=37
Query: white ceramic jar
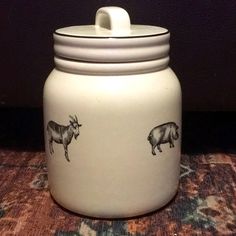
x=112 y=113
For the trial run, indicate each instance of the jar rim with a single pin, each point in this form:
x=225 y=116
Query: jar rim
x=91 y=31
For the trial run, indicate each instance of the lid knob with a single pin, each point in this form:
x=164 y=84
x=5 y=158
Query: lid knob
x=114 y=19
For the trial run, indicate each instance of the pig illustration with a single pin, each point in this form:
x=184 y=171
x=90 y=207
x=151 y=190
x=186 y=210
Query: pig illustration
x=165 y=133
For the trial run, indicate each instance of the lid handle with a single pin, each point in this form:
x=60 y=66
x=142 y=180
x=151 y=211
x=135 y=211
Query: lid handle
x=115 y=19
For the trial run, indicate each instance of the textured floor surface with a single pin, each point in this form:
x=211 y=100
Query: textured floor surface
x=205 y=203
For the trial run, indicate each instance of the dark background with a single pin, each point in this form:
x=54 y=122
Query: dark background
x=203 y=55
x=203 y=45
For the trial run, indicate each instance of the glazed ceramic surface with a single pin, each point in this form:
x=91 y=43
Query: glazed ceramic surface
x=112 y=114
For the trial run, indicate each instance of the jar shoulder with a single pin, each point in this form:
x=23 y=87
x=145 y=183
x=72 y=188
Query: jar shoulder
x=166 y=73
x=62 y=81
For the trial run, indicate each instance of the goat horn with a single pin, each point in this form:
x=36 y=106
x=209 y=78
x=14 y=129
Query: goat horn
x=72 y=118
x=76 y=119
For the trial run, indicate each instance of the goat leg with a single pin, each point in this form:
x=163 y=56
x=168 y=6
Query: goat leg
x=51 y=146
x=66 y=153
x=66 y=156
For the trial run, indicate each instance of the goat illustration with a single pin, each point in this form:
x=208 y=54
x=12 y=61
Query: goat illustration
x=63 y=134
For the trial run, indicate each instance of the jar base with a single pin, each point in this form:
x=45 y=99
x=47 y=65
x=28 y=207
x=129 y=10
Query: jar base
x=114 y=215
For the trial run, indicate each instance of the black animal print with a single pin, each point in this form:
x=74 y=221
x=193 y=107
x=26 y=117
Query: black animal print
x=165 y=133
x=63 y=134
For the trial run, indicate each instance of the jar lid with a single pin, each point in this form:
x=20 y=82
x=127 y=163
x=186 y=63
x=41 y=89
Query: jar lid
x=112 y=39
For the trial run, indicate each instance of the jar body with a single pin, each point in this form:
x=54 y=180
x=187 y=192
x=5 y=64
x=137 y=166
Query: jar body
x=125 y=159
